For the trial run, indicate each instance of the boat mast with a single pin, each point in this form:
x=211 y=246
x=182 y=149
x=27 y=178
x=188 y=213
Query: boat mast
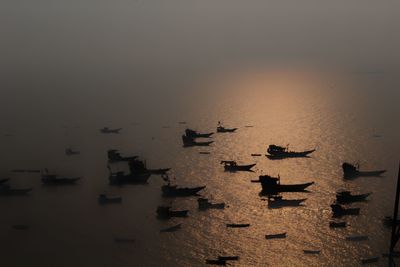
x=395 y=228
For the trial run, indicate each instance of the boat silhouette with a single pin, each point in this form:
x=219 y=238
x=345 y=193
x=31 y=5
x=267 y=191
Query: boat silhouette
x=279 y=152
x=232 y=166
x=107 y=130
x=352 y=171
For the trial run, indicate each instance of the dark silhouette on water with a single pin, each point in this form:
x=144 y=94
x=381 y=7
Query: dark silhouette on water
x=222 y=129
x=165 y=213
x=337 y=224
x=71 y=152
x=6 y=190
x=171 y=229
x=107 y=130
x=175 y=191
x=276 y=236
x=353 y=171
x=345 y=197
x=275 y=202
x=232 y=166
x=204 y=204
x=237 y=225
x=4 y=180
x=279 y=152
x=104 y=199
x=272 y=185
x=120 y=178
x=190 y=141
x=114 y=156
x=54 y=179
x=338 y=211
x=194 y=134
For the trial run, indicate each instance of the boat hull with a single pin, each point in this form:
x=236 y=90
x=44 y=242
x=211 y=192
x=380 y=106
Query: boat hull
x=181 y=192
x=282 y=155
x=285 y=188
x=236 y=168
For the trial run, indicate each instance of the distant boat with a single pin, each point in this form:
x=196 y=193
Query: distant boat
x=369 y=260
x=276 y=236
x=256 y=155
x=171 y=229
x=193 y=134
x=114 y=156
x=104 y=199
x=165 y=212
x=232 y=166
x=4 y=180
x=6 y=190
x=221 y=129
x=70 y=152
x=175 y=191
x=107 y=130
x=312 y=252
x=279 y=152
x=237 y=225
x=53 y=179
x=204 y=204
x=339 y=211
x=337 y=224
x=275 y=202
x=189 y=141
x=272 y=185
x=352 y=171
x=345 y=197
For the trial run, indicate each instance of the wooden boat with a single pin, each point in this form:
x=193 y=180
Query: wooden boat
x=339 y=211
x=104 y=199
x=237 y=225
x=4 y=180
x=357 y=238
x=369 y=260
x=279 y=152
x=114 y=156
x=171 y=229
x=232 y=166
x=52 y=179
x=6 y=190
x=175 y=191
x=275 y=202
x=193 y=134
x=352 y=171
x=345 y=197
x=216 y=262
x=107 y=130
x=272 y=185
x=189 y=141
x=337 y=224
x=276 y=236
x=312 y=252
x=70 y=152
x=221 y=129
x=120 y=178
x=204 y=204
x=165 y=212
x=256 y=155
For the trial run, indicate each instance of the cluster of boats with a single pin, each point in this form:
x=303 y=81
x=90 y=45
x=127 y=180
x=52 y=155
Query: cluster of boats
x=190 y=136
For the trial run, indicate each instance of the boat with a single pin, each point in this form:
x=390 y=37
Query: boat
x=337 y=224
x=369 y=260
x=114 y=156
x=312 y=252
x=232 y=166
x=276 y=236
x=6 y=190
x=204 y=153
x=193 y=134
x=339 y=211
x=189 y=141
x=279 y=152
x=53 y=179
x=237 y=225
x=107 y=130
x=272 y=185
x=345 y=197
x=104 y=199
x=70 y=152
x=221 y=129
x=353 y=171
x=4 y=180
x=159 y=171
x=120 y=178
x=165 y=212
x=171 y=229
x=275 y=202
x=216 y=262
x=175 y=191
x=256 y=155
x=357 y=238
x=228 y=258
x=204 y=204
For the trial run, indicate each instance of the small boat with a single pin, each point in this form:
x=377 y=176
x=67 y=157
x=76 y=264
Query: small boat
x=339 y=211
x=107 y=130
x=189 y=141
x=232 y=166
x=120 y=178
x=357 y=238
x=312 y=252
x=6 y=190
x=352 y=171
x=275 y=202
x=171 y=229
x=175 y=191
x=204 y=152
x=221 y=129
x=123 y=240
x=104 y=199
x=70 y=152
x=337 y=224
x=114 y=156
x=4 y=180
x=228 y=258
x=165 y=212
x=271 y=185
x=256 y=155
x=345 y=197
x=237 y=225
x=370 y=260
x=279 y=152
x=276 y=236
x=159 y=171
x=193 y=134
x=21 y=227
x=53 y=179
x=204 y=204
x=216 y=262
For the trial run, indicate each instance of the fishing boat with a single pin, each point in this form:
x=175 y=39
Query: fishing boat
x=345 y=197
x=189 y=141
x=275 y=202
x=175 y=191
x=279 y=152
x=119 y=178
x=4 y=180
x=171 y=229
x=216 y=262
x=312 y=252
x=104 y=199
x=232 y=166
x=114 y=156
x=353 y=171
x=193 y=134
x=6 y=190
x=165 y=212
x=71 y=152
x=272 y=185
x=107 y=130
x=276 y=236
x=204 y=204
x=237 y=225
x=221 y=129
x=337 y=224
x=339 y=211
x=53 y=179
